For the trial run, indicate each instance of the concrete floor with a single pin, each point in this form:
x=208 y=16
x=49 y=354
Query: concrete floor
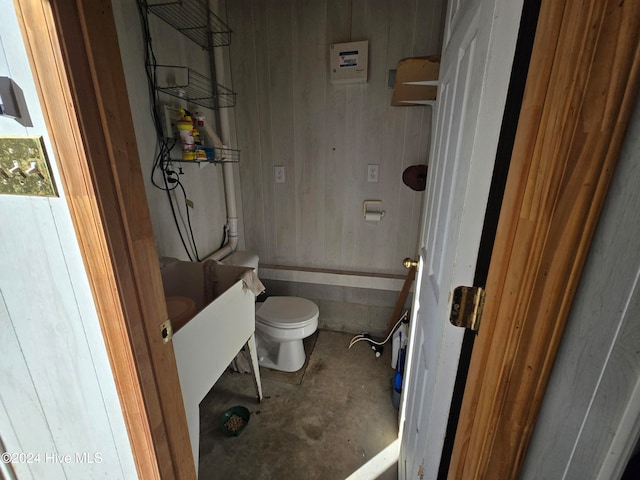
x=336 y=419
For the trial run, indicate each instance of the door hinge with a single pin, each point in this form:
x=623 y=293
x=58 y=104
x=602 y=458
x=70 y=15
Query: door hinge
x=467 y=306
x=166 y=331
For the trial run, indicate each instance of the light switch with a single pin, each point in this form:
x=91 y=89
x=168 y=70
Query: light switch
x=24 y=167
x=279 y=173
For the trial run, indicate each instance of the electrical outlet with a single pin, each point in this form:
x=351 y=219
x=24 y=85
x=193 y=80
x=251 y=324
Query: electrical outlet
x=372 y=173
x=279 y=173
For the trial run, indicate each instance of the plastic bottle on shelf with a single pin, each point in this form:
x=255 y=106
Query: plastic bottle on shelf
x=210 y=137
x=209 y=147
x=185 y=127
x=196 y=136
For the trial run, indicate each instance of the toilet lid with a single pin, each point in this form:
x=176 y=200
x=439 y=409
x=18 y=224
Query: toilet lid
x=287 y=312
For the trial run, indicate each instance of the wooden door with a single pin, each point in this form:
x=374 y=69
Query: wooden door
x=480 y=39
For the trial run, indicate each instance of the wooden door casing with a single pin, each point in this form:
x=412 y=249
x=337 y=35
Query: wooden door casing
x=75 y=59
x=581 y=88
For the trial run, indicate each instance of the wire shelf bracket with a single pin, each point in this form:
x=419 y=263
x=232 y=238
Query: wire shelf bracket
x=194 y=19
x=189 y=85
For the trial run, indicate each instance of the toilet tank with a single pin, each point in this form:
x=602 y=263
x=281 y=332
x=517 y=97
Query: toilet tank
x=241 y=258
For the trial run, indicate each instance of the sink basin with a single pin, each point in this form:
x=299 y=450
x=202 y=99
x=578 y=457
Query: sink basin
x=211 y=334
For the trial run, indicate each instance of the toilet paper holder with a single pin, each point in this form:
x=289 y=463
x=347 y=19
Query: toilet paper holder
x=372 y=215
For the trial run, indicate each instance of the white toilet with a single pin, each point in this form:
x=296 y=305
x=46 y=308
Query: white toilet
x=281 y=323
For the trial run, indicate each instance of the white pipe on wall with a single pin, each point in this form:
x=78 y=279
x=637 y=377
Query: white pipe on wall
x=232 y=216
x=227 y=175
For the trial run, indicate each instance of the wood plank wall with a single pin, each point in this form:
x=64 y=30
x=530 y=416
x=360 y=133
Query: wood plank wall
x=288 y=113
x=598 y=364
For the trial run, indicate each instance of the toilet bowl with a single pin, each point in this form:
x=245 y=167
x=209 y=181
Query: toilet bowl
x=281 y=323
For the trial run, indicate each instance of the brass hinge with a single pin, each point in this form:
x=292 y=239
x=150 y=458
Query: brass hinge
x=166 y=331
x=467 y=306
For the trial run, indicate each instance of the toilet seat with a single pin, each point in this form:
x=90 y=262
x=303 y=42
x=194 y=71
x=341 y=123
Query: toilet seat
x=287 y=312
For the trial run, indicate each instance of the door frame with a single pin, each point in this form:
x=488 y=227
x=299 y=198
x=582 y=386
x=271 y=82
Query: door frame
x=75 y=60
x=549 y=213
x=580 y=93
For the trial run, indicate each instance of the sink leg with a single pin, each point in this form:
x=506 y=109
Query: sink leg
x=255 y=369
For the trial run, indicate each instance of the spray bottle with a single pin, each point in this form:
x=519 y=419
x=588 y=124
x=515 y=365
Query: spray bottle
x=211 y=138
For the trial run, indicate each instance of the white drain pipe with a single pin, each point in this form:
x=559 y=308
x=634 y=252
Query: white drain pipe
x=232 y=216
x=227 y=172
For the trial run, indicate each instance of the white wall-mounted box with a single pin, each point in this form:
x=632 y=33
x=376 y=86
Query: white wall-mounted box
x=349 y=62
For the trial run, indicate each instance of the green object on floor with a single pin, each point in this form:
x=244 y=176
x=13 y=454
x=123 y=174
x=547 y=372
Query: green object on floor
x=233 y=420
